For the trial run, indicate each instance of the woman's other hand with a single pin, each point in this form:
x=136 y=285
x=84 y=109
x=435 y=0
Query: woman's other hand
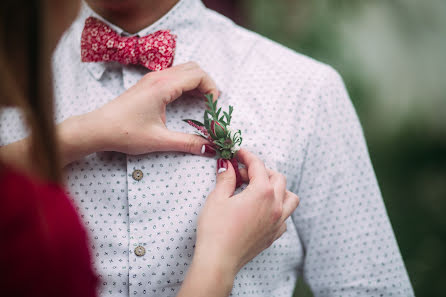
x=233 y=229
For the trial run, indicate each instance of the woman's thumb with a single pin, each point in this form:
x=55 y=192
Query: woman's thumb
x=226 y=179
x=187 y=143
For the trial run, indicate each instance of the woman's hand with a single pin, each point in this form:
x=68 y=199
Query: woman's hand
x=234 y=229
x=134 y=123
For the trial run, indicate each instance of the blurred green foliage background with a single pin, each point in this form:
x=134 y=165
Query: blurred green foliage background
x=392 y=56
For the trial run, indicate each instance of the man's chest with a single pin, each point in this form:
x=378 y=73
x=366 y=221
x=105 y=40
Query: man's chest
x=142 y=211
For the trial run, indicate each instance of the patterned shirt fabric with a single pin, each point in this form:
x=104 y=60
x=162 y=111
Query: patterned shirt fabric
x=101 y=43
x=294 y=112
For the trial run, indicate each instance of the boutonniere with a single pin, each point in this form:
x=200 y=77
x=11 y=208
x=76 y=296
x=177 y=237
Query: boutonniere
x=216 y=128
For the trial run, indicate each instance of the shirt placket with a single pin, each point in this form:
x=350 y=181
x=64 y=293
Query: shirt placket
x=138 y=248
x=137 y=180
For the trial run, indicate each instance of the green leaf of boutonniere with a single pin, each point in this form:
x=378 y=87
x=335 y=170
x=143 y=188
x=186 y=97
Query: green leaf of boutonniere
x=217 y=128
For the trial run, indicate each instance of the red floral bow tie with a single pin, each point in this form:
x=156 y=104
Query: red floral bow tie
x=100 y=43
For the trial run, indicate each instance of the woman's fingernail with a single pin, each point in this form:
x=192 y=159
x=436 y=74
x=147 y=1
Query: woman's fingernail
x=208 y=150
x=222 y=165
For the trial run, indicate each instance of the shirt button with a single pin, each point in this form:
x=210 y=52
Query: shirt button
x=137 y=174
x=140 y=251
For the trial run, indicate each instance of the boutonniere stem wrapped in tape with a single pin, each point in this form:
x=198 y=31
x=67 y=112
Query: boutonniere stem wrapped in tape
x=216 y=127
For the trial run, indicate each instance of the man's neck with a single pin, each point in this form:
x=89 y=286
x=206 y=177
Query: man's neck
x=131 y=15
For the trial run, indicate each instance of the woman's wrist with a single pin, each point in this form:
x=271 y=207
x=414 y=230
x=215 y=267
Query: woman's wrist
x=208 y=277
x=217 y=268
x=80 y=136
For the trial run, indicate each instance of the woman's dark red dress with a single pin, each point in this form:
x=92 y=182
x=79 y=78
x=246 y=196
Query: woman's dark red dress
x=43 y=245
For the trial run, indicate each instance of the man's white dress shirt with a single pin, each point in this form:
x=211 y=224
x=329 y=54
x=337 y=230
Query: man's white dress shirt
x=294 y=113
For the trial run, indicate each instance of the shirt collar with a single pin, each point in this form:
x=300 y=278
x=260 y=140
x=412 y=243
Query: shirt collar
x=185 y=12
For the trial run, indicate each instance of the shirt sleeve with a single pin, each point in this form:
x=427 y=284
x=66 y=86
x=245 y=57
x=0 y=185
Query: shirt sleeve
x=350 y=248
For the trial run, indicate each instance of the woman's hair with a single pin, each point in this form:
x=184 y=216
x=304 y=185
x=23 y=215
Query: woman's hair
x=25 y=78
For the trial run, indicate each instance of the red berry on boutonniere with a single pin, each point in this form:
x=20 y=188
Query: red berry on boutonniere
x=216 y=128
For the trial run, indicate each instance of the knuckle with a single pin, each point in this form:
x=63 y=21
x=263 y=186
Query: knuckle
x=202 y=72
x=282 y=231
x=294 y=198
x=270 y=242
x=166 y=88
x=268 y=191
x=190 y=144
x=226 y=180
x=276 y=213
x=297 y=200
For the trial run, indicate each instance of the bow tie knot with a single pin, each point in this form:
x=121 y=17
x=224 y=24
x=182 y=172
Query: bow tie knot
x=100 y=43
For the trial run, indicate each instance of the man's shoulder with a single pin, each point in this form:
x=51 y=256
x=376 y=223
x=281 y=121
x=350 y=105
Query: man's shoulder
x=255 y=48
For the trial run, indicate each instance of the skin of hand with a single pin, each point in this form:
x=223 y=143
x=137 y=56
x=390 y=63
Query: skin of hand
x=133 y=123
x=233 y=229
